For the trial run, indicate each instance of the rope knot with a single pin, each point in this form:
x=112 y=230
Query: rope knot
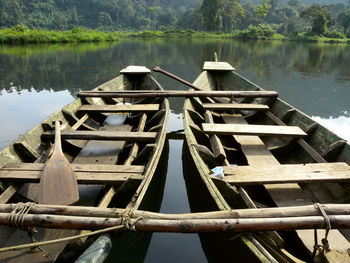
x=325 y=244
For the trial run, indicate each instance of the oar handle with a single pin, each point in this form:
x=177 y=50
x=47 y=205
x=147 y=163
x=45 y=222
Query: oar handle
x=158 y=69
x=58 y=147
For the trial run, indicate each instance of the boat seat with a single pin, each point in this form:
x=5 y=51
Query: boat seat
x=256 y=130
x=104 y=135
x=85 y=173
x=120 y=108
x=235 y=106
x=288 y=173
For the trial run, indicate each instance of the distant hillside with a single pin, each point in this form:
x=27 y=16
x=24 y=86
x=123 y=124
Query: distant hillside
x=103 y=15
x=304 y=2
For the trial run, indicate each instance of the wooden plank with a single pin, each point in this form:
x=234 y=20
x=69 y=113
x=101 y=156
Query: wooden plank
x=82 y=177
x=287 y=194
x=235 y=106
x=256 y=130
x=105 y=136
x=177 y=93
x=120 y=108
x=80 y=122
x=97 y=168
x=217 y=66
x=135 y=70
x=291 y=173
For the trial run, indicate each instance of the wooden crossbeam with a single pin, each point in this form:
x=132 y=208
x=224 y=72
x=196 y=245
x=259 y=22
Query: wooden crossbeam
x=235 y=106
x=120 y=108
x=177 y=93
x=256 y=130
x=83 y=177
x=289 y=173
x=99 y=168
x=105 y=136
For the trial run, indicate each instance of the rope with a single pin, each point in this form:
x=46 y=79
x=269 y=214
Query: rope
x=16 y=218
x=325 y=244
x=127 y=221
x=43 y=243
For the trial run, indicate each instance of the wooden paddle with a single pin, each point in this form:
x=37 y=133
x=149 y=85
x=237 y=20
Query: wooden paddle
x=58 y=184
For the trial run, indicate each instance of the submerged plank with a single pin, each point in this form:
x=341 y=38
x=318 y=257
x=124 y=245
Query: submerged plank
x=256 y=130
x=120 y=108
x=290 y=173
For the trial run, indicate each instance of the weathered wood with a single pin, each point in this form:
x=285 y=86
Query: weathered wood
x=135 y=70
x=271 y=212
x=177 y=93
x=256 y=130
x=135 y=147
x=8 y=193
x=96 y=168
x=106 y=136
x=185 y=226
x=311 y=151
x=82 y=177
x=120 y=108
x=58 y=183
x=217 y=66
x=235 y=106
x=26 y=151
x=80 y=122
x=290 y=173
x=257 y=154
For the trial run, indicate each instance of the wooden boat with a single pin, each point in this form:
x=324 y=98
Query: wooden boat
x=114 y=147
x=272 y=155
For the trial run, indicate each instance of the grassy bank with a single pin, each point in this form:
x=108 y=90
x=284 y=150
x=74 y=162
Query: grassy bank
x=23 y=35
x=250 y=33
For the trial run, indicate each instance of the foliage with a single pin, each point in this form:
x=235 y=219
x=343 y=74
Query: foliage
x=344 y=20
x=21 y=34
x=260 y=32
x=168 y=18
x=262 y=10
x=320 y=18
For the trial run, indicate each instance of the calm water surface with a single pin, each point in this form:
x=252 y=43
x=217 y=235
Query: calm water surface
x=36 y=81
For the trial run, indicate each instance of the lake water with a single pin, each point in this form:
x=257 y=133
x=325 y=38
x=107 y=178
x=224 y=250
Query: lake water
x=36 y=81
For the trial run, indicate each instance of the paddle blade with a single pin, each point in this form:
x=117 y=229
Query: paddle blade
x=58 y=184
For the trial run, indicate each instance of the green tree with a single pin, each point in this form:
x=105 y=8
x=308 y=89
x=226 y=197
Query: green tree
x=262 y=10
x=344 y=20
x=320 y=18
x=233 y=13
x=211 y=11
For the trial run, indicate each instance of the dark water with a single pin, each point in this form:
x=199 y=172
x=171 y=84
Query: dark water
x=35 y=81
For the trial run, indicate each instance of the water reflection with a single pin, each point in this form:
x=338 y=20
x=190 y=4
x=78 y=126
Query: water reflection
x=35 y=81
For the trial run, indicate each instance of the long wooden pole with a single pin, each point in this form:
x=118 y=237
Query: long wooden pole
x=185 y=226
x=176 y=93
x=158 y=69
x=278 y=212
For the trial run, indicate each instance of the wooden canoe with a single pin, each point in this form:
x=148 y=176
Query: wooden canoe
x=272 y=155
x=114 y=147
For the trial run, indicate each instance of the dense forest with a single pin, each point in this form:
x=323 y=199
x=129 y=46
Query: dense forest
x=286 y=17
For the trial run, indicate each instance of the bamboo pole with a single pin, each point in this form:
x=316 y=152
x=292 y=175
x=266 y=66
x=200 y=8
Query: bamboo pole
x=186 y=225
x=278 y=212
x=176 y=93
